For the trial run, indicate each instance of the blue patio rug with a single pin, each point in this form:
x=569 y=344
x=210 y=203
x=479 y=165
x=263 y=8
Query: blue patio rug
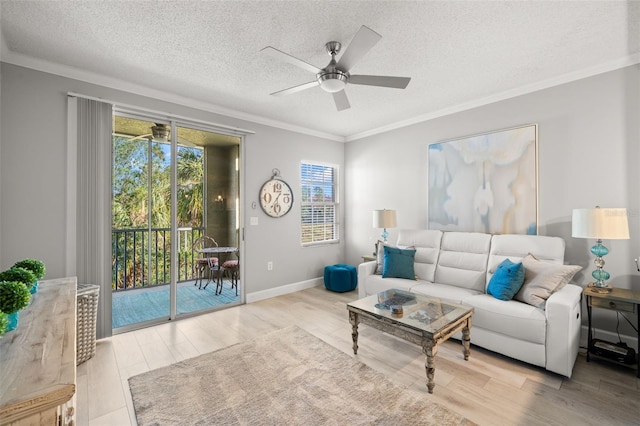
x=135 y=306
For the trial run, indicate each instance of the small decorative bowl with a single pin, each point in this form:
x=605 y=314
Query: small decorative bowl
x=396 y=309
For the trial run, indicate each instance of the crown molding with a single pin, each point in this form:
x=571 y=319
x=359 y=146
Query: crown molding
x=545 y=84
x=94 y=78
x=117 y=84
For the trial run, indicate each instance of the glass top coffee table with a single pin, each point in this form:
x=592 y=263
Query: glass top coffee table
x=423 y=320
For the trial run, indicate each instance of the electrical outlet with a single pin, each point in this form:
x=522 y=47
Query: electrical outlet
x=269 y=266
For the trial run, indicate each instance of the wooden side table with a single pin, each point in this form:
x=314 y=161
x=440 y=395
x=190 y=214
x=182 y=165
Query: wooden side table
x=620 y=300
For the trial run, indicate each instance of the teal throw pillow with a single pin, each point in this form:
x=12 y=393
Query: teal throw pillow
x=507 y=280
x=398 y=263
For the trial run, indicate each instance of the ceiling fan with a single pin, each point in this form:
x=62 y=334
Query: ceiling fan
x=159 y=131
x=334 y=77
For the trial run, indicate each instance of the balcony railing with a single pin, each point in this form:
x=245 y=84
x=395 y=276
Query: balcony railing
x=141 y=257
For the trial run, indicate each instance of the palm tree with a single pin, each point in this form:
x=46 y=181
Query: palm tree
x=190 y=171
x=135 y=196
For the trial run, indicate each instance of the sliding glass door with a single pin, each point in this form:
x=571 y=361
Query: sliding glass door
x=208 y=219
x=148 y=284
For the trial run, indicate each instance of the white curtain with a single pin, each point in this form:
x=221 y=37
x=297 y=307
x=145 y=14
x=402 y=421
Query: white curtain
x=89 y=153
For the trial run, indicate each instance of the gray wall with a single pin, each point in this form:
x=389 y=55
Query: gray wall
x=589 y=147
x=588 y=155
x=33 y=180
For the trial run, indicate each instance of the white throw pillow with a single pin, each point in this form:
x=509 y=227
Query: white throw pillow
x=542 y=279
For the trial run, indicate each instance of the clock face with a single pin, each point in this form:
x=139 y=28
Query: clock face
x=276 y=198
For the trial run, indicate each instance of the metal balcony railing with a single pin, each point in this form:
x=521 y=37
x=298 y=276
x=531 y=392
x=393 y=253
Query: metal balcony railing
x=141 y=257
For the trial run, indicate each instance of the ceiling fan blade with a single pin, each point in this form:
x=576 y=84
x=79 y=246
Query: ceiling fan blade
x=296 y=89
x=380 y=80
x=141 y=137
x=275 y=53
x=341 y=100
x=363 y=41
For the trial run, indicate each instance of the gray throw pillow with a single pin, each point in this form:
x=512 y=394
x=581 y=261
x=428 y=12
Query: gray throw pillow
x=542 y=279
x=379 y=257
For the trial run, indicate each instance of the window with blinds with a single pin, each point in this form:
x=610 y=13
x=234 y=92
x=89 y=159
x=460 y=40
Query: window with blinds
x=319 y=205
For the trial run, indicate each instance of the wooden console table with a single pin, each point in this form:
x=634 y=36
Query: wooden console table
x=38 y=359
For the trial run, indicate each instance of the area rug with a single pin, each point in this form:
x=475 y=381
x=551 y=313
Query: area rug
x=287 y=377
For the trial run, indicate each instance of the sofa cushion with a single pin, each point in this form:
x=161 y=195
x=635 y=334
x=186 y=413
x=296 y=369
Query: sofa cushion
x=542 y=279
x=427 y=245
x=398 y=263
x=506 y=280
x=509 y=318
x=375 y=284
x=445 y=292
x=517 y=247
x=463 y=260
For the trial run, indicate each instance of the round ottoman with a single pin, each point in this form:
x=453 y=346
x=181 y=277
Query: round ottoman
x=340 y=278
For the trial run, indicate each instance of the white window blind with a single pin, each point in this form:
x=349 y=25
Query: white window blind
x=319 y=205
x=90 y=179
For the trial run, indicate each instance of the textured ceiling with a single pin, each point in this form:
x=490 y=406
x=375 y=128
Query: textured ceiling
x=459 y=54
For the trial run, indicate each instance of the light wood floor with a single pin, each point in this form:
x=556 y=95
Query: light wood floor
x=488 y=389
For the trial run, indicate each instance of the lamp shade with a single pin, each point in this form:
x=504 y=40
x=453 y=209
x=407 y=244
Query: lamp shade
x=600 y=223
x=384 y=218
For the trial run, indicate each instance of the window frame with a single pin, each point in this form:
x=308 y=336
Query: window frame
x=335 y=203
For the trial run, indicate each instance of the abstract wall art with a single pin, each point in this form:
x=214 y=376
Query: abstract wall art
x=485 y=183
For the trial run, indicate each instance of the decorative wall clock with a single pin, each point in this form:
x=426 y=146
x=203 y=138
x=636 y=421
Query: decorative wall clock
x=276 y=197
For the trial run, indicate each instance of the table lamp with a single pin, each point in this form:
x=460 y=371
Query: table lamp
x=384 y=219
x=600 y=224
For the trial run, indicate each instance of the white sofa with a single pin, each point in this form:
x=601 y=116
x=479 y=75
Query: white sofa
x=457 y=266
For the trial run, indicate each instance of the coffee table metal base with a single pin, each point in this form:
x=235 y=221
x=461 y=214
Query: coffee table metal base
x=429 y=344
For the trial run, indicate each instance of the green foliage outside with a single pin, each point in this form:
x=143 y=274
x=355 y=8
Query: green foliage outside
x=14 y=296
x=137 y=166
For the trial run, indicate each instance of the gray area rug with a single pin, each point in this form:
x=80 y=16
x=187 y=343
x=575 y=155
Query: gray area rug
x=287 y=377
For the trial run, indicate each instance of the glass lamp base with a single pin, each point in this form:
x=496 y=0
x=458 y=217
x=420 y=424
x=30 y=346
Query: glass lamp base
x=599 y=274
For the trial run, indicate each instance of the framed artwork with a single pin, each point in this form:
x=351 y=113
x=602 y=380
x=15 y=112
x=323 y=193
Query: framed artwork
x=485 y=183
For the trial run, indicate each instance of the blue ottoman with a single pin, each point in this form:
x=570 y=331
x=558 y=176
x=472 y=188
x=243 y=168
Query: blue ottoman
x=340 y=278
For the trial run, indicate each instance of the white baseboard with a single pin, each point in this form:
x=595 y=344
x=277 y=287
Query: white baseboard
x=282 y=290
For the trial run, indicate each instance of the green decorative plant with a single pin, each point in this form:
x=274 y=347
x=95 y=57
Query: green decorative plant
x=33 y=265
x=4 y=322
x=21 y=275
x=14 y=296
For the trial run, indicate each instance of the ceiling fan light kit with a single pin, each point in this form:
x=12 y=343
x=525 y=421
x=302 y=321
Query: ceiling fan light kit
x=333 y=81
x=334 y=77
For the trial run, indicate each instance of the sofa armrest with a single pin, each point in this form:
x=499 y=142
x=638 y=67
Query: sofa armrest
x=563 y=311
x=365 y=270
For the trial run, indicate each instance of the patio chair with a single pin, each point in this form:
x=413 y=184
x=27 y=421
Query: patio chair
x=203 y=263
x=232 y=266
